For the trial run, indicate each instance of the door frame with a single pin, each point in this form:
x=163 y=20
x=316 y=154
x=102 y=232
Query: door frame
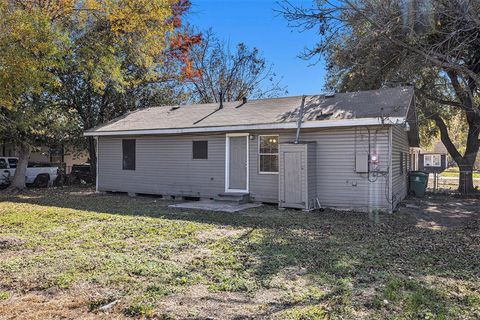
x=227 y=162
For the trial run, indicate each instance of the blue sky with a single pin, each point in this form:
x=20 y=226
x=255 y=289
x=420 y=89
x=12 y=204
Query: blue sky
x=257 y=25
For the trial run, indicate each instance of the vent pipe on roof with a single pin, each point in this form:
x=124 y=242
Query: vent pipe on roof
x=329 y=95
x=244 y=101
x=221 y=100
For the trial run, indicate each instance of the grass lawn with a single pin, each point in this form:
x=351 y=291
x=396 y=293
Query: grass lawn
x=456 y=174
x=66 y=253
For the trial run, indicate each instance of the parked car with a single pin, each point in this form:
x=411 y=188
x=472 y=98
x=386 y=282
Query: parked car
x=38 y=174
x=81 y=172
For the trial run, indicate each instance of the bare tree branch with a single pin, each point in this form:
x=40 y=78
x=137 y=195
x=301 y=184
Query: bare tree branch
x=235 y=73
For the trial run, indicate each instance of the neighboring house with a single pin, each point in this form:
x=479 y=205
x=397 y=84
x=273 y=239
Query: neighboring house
x=431 y=161
x=66 y=156
x=352 y=153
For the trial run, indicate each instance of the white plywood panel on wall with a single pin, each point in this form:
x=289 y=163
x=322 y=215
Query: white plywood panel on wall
x=297 y=178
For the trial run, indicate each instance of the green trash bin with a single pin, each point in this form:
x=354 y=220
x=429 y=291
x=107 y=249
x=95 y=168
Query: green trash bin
x=418 y=183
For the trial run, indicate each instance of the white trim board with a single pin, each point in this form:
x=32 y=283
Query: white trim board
x=267 y=126
x=227 y=162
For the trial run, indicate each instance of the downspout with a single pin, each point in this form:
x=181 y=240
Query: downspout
x=96 y=165
x=390 y=167
x=299 y=122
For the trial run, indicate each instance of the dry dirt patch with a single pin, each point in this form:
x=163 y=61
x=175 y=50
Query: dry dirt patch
x=7 y=242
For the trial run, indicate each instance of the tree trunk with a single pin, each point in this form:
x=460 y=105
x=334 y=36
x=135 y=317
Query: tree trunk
x=92 y=153
x=18 y=182
x=465 y=162
x=465 y=183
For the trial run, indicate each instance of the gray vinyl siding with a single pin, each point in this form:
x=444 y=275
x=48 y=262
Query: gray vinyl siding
x=399 y=178
x=338 y=185
x=164 y=165
x=263 y=186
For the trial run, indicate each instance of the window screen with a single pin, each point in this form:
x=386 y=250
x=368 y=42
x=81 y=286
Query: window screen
x=405 y=156
x=401 y=163
x=128 y=147
x=200 y=150
x=268 y=154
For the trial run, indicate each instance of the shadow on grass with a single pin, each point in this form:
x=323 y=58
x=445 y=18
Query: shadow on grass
x=342 y=249
x=329 y=239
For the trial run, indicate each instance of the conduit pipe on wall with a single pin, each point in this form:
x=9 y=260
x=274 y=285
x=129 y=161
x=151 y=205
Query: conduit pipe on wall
x=300 y=118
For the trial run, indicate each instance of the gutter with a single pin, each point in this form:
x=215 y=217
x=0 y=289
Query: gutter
x=249 y=127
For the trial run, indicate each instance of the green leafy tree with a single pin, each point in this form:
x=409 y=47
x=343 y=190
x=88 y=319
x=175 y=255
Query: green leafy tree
x=124 y=55
x=434 y=45
x=89 y=59
x=31 y=47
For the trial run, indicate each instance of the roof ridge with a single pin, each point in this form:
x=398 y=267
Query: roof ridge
x=322 y=94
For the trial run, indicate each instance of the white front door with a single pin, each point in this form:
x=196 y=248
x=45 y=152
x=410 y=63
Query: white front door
x=236 y=168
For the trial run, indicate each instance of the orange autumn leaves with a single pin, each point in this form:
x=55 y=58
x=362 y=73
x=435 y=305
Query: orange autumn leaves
x=181 y=45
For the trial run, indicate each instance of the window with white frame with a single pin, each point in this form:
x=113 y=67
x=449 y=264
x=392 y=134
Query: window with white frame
x=432 y=160
x=268 y=154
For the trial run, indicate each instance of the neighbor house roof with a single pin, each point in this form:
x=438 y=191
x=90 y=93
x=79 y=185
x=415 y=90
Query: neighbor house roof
x=371 y=107
x=438 y=148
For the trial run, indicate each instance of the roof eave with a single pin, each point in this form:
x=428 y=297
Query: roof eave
x=268 y=126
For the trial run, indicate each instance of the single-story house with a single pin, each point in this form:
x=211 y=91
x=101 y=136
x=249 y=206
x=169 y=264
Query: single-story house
x=431 y=160
x=343 y=150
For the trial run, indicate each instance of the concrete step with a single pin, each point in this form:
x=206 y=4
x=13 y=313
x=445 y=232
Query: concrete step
x=239 y=198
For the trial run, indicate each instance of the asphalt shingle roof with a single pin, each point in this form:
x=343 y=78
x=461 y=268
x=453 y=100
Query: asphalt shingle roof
x=351 y=105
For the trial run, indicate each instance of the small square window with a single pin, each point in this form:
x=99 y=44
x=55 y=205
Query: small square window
x=128 y=148
x=200 y=150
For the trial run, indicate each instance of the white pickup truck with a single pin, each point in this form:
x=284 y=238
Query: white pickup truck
x=41 y=175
